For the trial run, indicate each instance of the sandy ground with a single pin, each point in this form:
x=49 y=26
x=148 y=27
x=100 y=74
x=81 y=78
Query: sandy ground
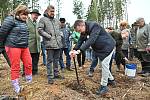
x=137 y=88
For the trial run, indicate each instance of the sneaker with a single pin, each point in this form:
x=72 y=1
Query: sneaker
x=50 y=81
x=90 y=73
x=112 y=83
x=102 y=90
x=62 y=70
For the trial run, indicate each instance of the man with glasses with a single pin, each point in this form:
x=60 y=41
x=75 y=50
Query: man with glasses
x=103 y=47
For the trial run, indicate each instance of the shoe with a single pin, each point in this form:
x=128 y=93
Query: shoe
x=15 y=84
x=62 y=70
x=102 y=90
x=90 y=74
x=50 y=81
x=28 y=78
x=112 y=83
x=145 y=74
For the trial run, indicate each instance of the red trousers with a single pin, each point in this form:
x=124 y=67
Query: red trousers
x=15 y=56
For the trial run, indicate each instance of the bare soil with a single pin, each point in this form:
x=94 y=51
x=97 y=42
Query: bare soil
x=137 y=88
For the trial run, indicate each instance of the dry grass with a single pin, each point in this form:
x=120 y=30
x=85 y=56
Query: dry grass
x=68 y=89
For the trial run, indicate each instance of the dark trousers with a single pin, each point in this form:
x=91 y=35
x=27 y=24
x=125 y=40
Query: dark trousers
x=133 y=53
x=68 y=59
x=43 y=48
x=53 y=56
x=35 y=60
x=144 y=57
x=94 y=62
x=81 y=58
x=119 y=58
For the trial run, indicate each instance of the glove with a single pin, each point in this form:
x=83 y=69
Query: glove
x=74 y=53
x=126 y=59
x=78 y=51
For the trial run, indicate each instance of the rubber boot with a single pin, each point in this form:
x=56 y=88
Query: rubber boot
x=28 y=78
x=15 y=84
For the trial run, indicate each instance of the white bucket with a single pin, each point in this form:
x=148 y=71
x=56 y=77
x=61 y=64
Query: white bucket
x=130 y=70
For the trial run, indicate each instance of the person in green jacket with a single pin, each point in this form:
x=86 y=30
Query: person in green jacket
x=75 y=36
x=34 y=40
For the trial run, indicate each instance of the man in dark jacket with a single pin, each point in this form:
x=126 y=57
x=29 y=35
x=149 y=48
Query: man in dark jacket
x=102 y=44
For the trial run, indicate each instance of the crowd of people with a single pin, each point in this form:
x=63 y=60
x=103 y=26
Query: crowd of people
x=23 y=38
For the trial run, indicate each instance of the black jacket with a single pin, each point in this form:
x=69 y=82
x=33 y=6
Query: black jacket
x=101 y=42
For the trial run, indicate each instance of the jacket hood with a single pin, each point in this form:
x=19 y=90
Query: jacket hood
x=46 y=15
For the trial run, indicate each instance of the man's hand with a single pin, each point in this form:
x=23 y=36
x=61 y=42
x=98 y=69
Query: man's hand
x=126 y=59
x=73 y=53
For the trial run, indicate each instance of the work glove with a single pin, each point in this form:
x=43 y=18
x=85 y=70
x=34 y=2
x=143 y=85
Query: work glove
x=73 y=53
x=126 y=59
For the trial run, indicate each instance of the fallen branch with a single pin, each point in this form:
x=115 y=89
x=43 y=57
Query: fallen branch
x=126 y=93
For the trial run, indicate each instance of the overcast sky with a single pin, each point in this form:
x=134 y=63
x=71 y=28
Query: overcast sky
x=136 y=8
x=139 y=8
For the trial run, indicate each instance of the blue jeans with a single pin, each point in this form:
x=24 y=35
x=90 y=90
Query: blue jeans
x=89 y=54
x=94 y=62
x=68 y=59
x=43 y=52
